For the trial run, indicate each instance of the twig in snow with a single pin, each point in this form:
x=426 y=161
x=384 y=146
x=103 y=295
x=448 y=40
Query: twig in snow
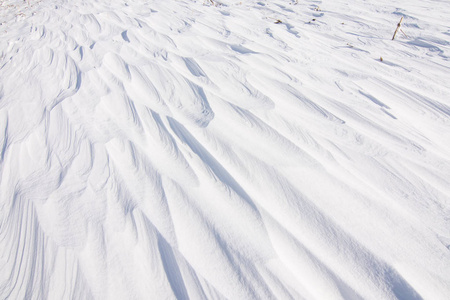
x=404 y=33
x=213 y=3
x=397 y=29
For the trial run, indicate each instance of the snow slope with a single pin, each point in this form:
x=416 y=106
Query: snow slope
x=250 y=150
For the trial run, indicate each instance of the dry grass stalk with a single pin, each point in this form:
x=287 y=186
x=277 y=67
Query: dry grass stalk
x=398 y=28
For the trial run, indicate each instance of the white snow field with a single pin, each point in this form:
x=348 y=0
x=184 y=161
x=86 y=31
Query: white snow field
x=246 y=150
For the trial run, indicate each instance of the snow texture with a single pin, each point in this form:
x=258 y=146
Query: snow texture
x=269 y=149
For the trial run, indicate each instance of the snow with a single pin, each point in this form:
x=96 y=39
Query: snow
x=246 y=150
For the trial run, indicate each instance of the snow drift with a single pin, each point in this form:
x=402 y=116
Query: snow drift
x=249 y=150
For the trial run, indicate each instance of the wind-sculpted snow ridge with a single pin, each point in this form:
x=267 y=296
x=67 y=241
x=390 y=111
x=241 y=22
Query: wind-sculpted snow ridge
x=244 y=150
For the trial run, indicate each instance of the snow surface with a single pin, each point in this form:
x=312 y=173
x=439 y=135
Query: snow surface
x=248 y=150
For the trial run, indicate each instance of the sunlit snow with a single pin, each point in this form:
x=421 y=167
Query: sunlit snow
x=184 y=149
